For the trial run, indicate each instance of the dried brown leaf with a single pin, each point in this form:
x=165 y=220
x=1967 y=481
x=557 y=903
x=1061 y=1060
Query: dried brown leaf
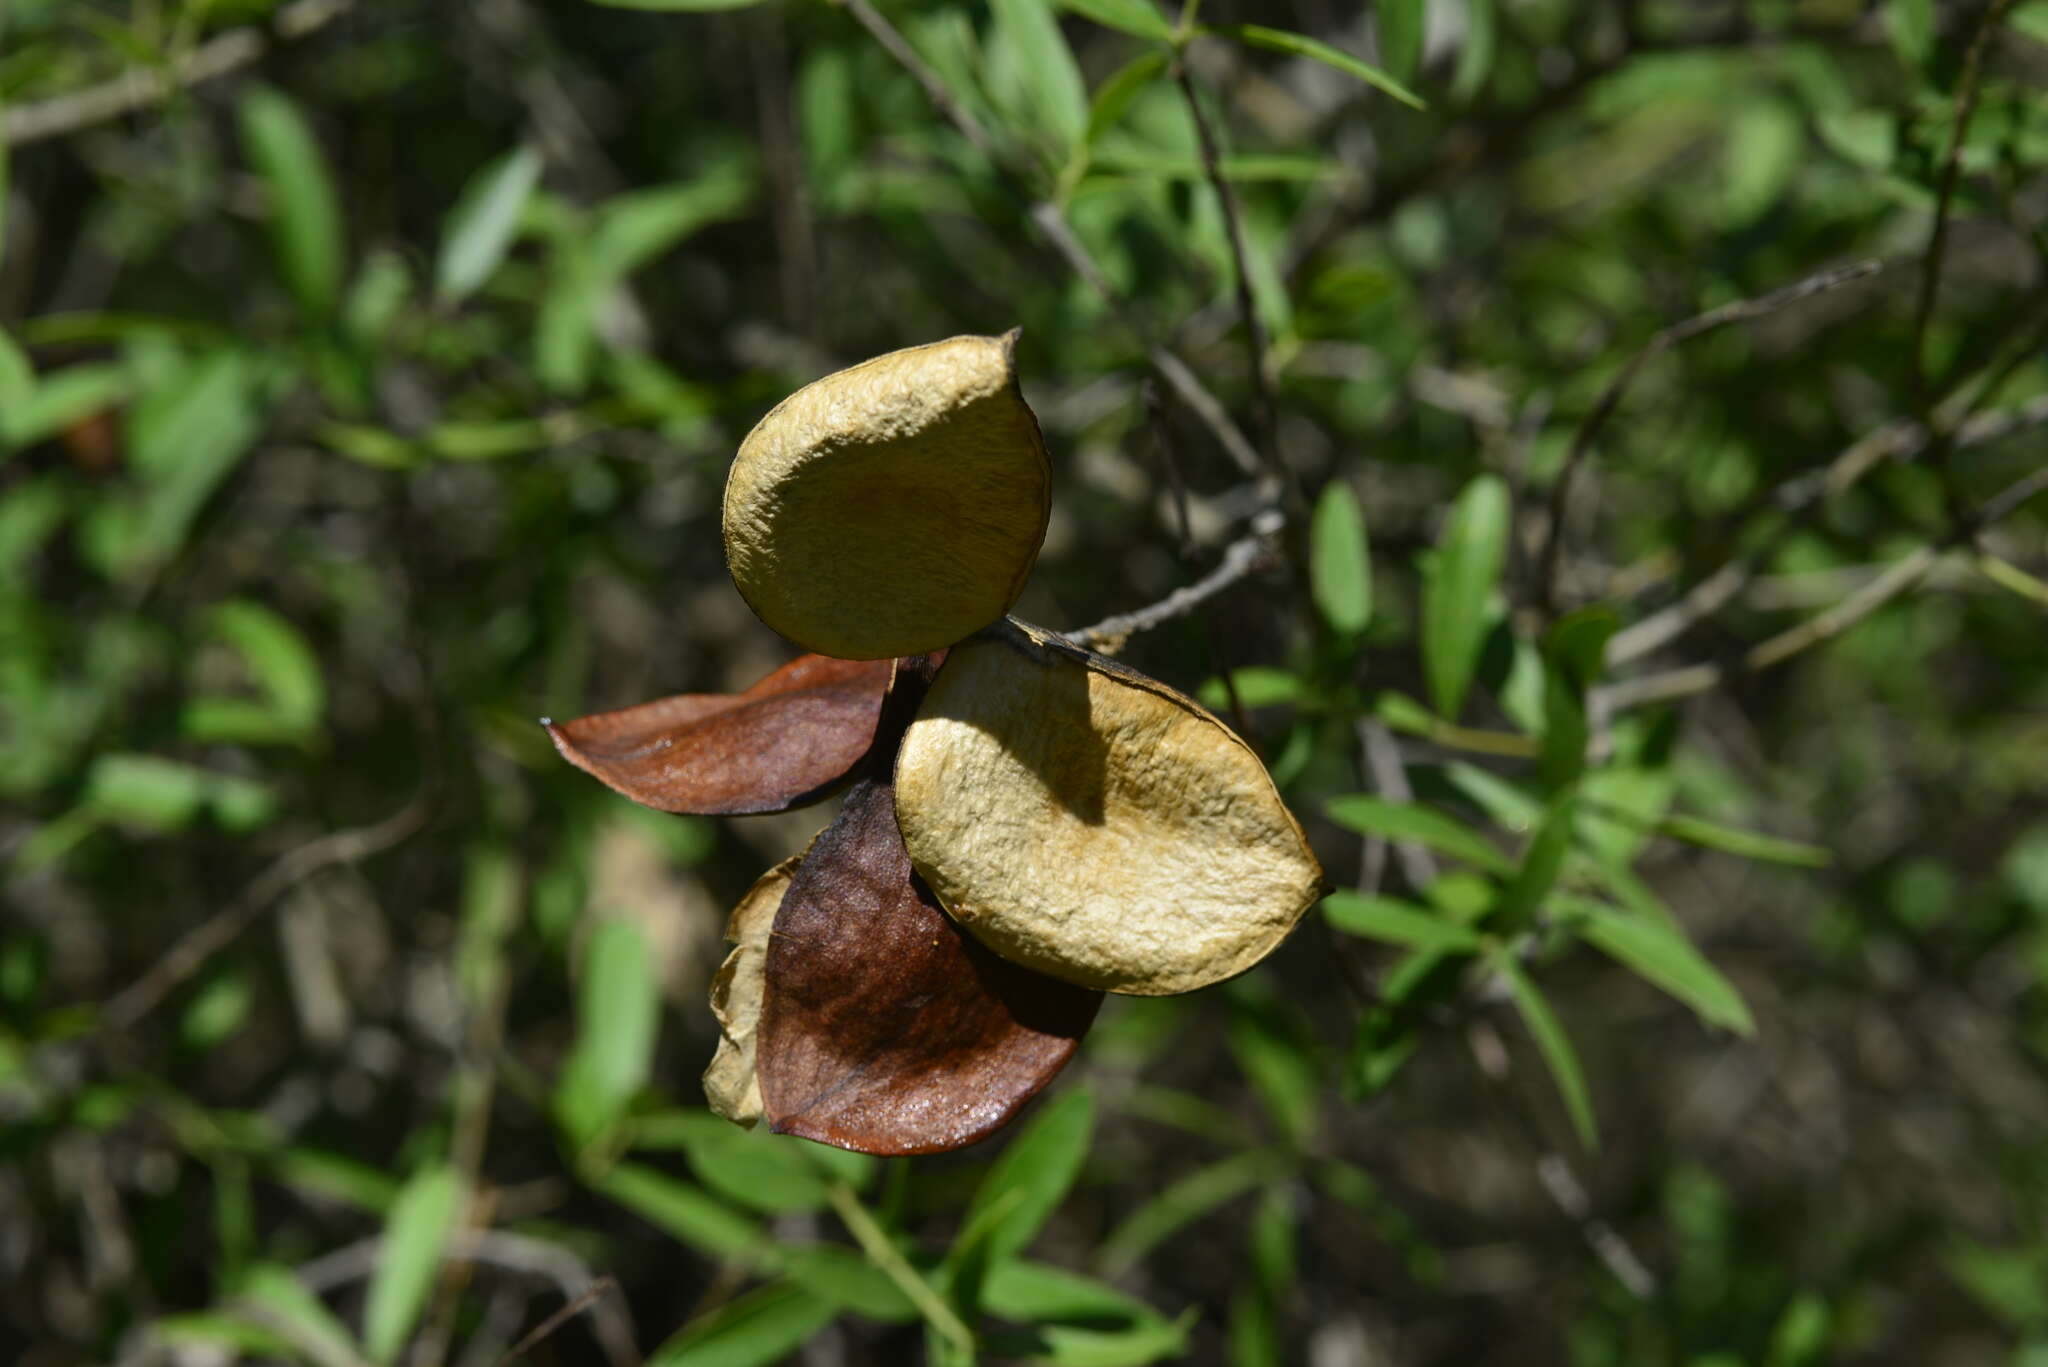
x=730 y=1083
x=790 y=739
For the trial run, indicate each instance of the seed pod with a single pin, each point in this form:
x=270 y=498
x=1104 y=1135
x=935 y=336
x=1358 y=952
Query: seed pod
x=730 y=1083
x=892 y=508
x=1091 y=823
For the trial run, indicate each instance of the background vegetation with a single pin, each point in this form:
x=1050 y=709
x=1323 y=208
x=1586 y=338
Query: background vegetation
x=367 y=381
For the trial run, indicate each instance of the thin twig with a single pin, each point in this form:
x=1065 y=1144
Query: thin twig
x=1823 y=626
x=1896 y=441
x=1240 y=559
x=1052 y=223
x=1951 y=169
x=189 y=954
x=217 y=57
x=508 y=1252
x=1550 y=562
x=603 y=1286
x=1240 y=253
x=885 y=1256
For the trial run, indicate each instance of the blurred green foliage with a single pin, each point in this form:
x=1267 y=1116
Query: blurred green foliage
x=367 y=375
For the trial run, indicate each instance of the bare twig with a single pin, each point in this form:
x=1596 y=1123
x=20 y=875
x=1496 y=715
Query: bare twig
x=189 y=954
x=1951 y=168
x=1390 y=777
x=138 y=89
x=1612 y=1250
x=1823 y=626
x=1052 y=223
x=1897 y=441
x=603 y=1286
x=508 y=1252
x=1240 y=559
x=1736 y=311
x=1240 y=252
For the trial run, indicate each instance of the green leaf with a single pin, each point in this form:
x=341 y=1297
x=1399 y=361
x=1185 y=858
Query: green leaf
x=1139 y=18
x=701 y=1221
x=1340 y=568
x=1397 y=923
x=185 y=434
x=1748 y=844
x=64 y=397
x=1020 y=1289
x=1184 y=1202
x=770 y=1173
x=1370 y=815
x=409 y=1259
x=335 y=1176
x=1113 y=98
x=146 y=791
x=1912 y=28
x=1457 y=590
x=1281 y=1069
x=760 y=1328
x=285 y=1305
x=1660 y=952
x=1299 y=45
x=1032 y=72
x=1574 y=655
x=1475 y=57
x=618 y=1015
x=1553 y=1044
x=1257 y=686
x=1038 y=1166
x=849 y=1281
x=17 y=377
x=284 y=670
x=1541 y=862
x=305 y=215
x=1074 y=1346
x=1401 y=24
x=480 y=228
x=635 y=228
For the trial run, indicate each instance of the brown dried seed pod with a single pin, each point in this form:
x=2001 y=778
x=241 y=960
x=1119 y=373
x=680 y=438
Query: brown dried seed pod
x=792 y=738
x=894 y=507
x=1086 y=821
x=731 y=1084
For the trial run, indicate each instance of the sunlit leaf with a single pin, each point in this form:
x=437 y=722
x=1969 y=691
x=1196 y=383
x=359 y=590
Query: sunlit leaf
x=757 y=1329
x=1370 y=815
x=305 y=213
x=1340 y=569
x=1457 y=590
x=1661 y=953
x=416 y=1230
x=1300 y=45
x=1554 y=1045
x=480 y=228
x=1397 y=922
x=1033 y=1174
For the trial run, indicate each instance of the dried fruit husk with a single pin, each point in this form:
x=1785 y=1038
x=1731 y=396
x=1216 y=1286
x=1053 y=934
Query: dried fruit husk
x=1086 y=821
x=894 y=507
x=884 y=1028
x=792 y=738
x=730 y=1083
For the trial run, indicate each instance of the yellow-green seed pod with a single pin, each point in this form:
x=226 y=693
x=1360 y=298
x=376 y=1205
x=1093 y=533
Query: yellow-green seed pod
x=1081 y=819
x=730 y=1083
x=894 y=507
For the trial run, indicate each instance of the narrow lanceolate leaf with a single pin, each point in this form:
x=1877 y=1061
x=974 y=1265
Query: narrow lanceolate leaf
x=1340 y=569
x=1457 y=591
x=758 y=1329
x=1113 y=98
x=618 y=1017
x=1554 y=1045
x=1300 y=45
x=1396 y=922
x=788 y=740
x=305 y=215
x=481 y=226
x=1139 y=18
x=1749 y=844
x=1660 y=952
x=1540 y=865
x=1401 y=24
x=409 y=1259
x=1574 y=653
x=1369 y=815
x=884 y=1028
x=1029 y=1181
